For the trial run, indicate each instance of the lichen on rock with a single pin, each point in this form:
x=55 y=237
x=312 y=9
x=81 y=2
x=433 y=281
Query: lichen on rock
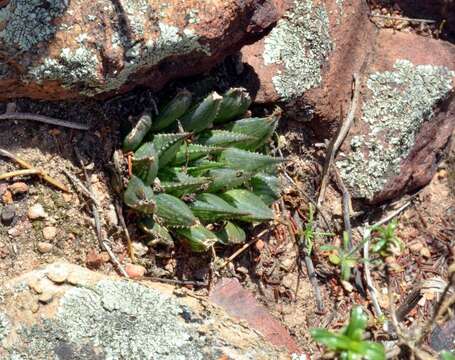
x=29 y=22
x=398 y=103
x=4 y=326
x=301 y=43
x=72 y=67
x=114 y=320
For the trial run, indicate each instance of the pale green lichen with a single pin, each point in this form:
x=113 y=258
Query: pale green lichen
x=399 y=102
x=71 y=68
x=29 y=22
x=171 y=41
x=4 y=326
x=137 y=12
x=300 y=43
x=116 y=319
x=80 y=69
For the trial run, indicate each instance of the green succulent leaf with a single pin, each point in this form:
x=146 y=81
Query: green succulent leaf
x=139 y=196
x=261 y=129
x=247 y=202
x=198 y=237
x=225 y=179
x=173 y=111
x=190 y=152
x=134 y=138
x=231 y=234
x=210 y=208
x=235 y=103
x=145 y=163
x=249 y=161
x=173 y=212
x=201 y=117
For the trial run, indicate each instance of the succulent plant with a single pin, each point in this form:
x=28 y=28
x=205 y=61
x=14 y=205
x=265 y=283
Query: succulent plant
x=198 y=171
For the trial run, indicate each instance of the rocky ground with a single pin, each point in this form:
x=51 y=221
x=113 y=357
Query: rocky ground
x=399 y=151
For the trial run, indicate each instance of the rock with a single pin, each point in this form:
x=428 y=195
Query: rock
x=240 y=303
x=307 y=60
x=139 y=249
x=7 y=197
x=259 y=245
x=110 y=318
x=94 y=260
x=49 y=232
x=45 y=297
x=58 y=273
x=36 y=212
x=18 y=188
x=8 y=214
x=443 y=336
x=44 y=247
x=135 y=271
x=3 y=188
x=405 y=117
x=62 y=49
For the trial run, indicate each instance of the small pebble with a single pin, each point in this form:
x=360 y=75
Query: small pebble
x=242 y=270
x=15 y=231
x=34 y=307
x=58 y=274
x=8 y=214
x=7 y=197
x=49 y=232
x=46 y=297
x=3 y=188
x=139 y=249
x=44 y=247
x=135 y=271
x=93 y=260
x=67 y=197
x=18 y=188
x=78 y=277
x=36 y=286
x=260 y=245
x=36 y=212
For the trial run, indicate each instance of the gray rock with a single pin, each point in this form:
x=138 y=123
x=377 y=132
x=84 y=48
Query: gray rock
x=104 y=317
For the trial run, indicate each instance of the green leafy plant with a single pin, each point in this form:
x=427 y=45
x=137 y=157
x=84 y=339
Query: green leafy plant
x=447 y=355
x=386 y=241
x=309 y=234
x=197 y=172
x=349 y=343
x=343 y=257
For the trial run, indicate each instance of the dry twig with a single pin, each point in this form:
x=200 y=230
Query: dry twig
x=338 y=140
x=26 y=172
x=103 y=243
x=242 y=249
x=176 y=282
x=43 y=119
x=390 y=17
x=40 y=173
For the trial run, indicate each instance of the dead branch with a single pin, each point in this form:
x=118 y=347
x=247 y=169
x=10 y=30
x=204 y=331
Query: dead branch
x=338 y=140
x=40 y=173
x=103 y=243
x=43 y=119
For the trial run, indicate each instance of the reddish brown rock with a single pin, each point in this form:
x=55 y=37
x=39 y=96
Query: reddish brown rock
x=70 y=49
x=88 y=315
x=405 y=117
x=241 y=304
x=308 y=59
